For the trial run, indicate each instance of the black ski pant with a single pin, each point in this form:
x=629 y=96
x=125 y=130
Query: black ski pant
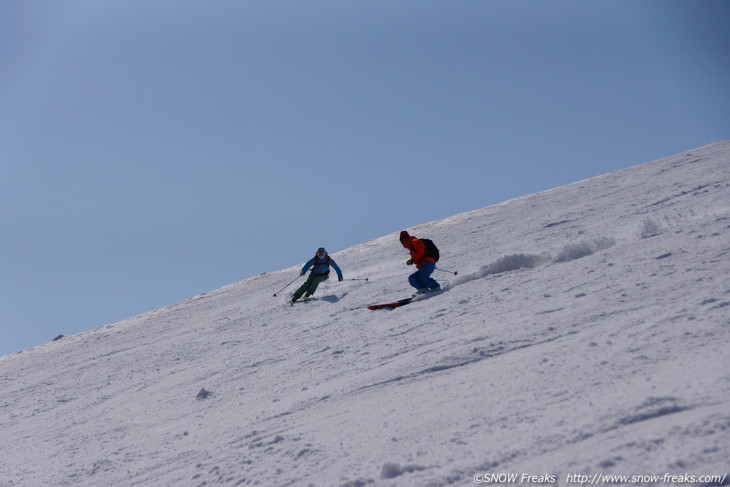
x=310 y=286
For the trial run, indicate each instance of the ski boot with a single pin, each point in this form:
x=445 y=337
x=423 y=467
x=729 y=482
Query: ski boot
x=423 y=290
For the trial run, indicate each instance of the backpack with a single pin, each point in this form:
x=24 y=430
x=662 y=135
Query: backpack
x=431 y=249
x=326 y=262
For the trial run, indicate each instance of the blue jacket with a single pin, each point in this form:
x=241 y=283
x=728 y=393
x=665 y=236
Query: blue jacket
x=321 y=267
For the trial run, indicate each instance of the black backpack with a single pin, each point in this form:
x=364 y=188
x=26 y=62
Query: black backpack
x=431 y=249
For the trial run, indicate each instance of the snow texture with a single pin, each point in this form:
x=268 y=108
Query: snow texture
x=588 y=331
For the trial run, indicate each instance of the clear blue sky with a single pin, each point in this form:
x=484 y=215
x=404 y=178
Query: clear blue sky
x=152 y=151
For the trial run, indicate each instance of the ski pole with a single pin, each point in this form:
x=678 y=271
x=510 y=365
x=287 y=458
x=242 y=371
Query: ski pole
x=445 y=270
x=280 y=290
x=356 y=279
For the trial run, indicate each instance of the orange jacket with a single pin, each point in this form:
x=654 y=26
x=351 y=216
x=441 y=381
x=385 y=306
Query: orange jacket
x=418 y=251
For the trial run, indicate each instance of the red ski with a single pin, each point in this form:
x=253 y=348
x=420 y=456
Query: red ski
x=403 y=302
x=396 y=304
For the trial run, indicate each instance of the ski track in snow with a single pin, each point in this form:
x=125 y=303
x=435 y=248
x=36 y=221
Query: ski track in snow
x=587 y=331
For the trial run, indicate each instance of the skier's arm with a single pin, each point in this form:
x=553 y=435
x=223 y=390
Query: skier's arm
x=418 y=251
x=337 y=268
x=306 y=267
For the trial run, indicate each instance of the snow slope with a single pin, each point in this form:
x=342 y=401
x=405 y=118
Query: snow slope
x=588 y=332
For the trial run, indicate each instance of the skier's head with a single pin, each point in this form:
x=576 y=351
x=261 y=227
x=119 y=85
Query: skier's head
x=404 y=236
x=321 y=252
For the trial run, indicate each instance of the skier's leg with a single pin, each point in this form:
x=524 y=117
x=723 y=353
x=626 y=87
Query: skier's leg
x=425 y=276
x=302 y=289
x=415 y=280
x=316 y=280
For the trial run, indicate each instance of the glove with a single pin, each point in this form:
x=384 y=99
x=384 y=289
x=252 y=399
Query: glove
x=409 y=262
x=301 y=273
x=340 y=279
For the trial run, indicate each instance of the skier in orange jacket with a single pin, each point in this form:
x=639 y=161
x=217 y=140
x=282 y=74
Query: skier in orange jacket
x=421 y=279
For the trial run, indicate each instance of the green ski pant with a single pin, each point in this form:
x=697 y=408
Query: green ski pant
x=310 y=286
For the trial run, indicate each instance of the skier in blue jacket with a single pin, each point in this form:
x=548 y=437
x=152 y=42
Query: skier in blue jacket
x=320 y=273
